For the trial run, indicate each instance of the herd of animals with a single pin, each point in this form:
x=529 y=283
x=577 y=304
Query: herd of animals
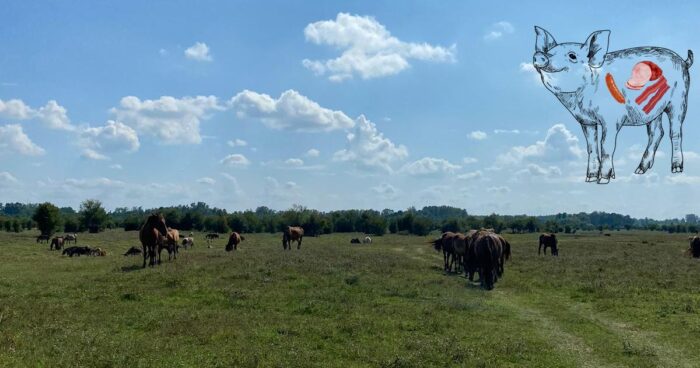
x=478 y=251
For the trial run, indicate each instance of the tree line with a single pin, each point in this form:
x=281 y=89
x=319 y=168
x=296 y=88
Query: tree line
x=92 y=217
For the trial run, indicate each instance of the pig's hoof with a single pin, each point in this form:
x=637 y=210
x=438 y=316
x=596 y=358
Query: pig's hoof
x=591 y=177
x=603 y=180
x=676 y=167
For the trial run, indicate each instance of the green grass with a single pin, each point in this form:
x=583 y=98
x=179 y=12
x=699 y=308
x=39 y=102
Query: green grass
x=629 y=300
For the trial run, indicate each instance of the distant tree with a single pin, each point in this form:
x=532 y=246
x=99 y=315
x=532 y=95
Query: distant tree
x=16 y=226
x=132 y=222
x=421 y=226
x=8 y=225
x=48 y=218
x=394 y=226
x=71 y=224
x=454 y=225
x=92 y=216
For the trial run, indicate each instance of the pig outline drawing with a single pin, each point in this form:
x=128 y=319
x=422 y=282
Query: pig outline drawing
x=575 y=73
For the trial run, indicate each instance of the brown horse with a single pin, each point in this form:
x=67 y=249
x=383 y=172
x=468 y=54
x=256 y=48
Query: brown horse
x=548 y=240
x=290 y=234
x=233 y=240
x=444 y=244
x=43 y=238
x=488 y=257
x=170 y=243
x=150 y=234
x=459 y=247
x=695 y=246
x=56 y=243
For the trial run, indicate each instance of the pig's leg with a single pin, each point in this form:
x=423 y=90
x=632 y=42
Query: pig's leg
x=676 y=115
x=607 y=151
x=655 y=131
x=591 y=144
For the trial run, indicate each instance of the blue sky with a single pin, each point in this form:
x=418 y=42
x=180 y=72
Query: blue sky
x=332 y=105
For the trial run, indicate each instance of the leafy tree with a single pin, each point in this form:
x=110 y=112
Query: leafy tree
x=48 y=218
x=92 y=216
x=71 y=224
x=16 y=226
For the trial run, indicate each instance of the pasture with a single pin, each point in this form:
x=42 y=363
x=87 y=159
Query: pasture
x=628 y=300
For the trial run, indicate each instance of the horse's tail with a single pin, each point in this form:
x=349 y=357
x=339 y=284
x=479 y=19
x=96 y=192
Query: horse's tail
x=437 y=244
x=506 y=249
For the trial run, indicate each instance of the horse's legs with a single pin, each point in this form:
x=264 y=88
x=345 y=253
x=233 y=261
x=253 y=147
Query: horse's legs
x=299 y=243
x=539 y=249
x=145 y=255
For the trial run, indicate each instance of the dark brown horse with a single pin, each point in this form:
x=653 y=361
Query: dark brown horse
x=290 y=234
x=233 y=240
x=150 y=234
x=43 y=238
x=548 y=240
x=486 y=253
x=444 y=244
x=695 y=246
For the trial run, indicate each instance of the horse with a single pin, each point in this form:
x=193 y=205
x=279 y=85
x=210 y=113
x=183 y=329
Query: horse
x=71 y=238
x=488 y=257
x=56 y=243
x=694 y=246
x=170 y=243
x=133 y=251
x=188 y=242
x=150 y=234
x=444 y=244
x=290 y=234
x=72 y=251
x=233 y=240
x=98 y=252
x=354 y=241
x=211 y=236
x=459 y=250
x=43 y=238
x=367 y=240
x=548 y=240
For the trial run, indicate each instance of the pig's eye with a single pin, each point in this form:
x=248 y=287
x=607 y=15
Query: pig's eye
x=572 y=57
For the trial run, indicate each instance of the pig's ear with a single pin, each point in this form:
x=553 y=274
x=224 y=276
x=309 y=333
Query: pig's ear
x=545 y=41
x=597 y=45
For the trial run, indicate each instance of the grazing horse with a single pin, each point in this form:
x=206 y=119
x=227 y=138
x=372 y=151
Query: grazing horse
x=459 y=249
x=211 y=236
x=71 y=238
x=43 y=238
x=56 y=243
x=133 y=251
x=444 y=244
x=233 y=240
x=98 y=252
x=290 y=234
x=354 y=241
x=367 y=240
x=170 y=243
x=73 y=251
x=548 y=240
x=150 y=234
x=695 y=246
x=188 y=242
x=488 y=253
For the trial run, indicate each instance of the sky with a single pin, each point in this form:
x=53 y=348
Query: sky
x=327 y=104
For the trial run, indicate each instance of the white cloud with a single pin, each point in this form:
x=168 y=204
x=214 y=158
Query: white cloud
x=680 y=179
x=368 y=148
x=233 y=184
x=530 y=70
x=199 y=51
x=93 y=183
x=469 y=160
x=506 y=131
x=276 y=191
x=163 y=52
x=291 y=111
x=368 y=49
x=237 y=143
x=6 y=178
x=498 y=190
x=537 y=170
x=498 y=30
x=429 y=166
x=471 y=176
x=111 y=137
x=206 y=180
x=235 y=160
x=170 y=119
x=386 y=191
x=559 y=145
x=478 y=135
x=294 y=162
x=312 y=153
x=13 y=140
x=116 y=167
x=52 y=114
x=91 y=154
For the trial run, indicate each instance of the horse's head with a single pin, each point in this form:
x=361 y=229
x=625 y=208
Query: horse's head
x=157 y=221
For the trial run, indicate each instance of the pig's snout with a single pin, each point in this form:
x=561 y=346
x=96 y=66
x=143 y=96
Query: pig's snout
x=540 y=60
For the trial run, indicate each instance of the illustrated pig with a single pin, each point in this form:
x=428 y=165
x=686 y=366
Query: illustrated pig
x=608 y=90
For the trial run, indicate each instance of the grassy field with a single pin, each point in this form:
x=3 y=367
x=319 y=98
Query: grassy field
x=628 y=300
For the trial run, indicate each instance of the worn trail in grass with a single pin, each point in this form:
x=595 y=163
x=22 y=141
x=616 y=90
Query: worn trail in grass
x=629 y=300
